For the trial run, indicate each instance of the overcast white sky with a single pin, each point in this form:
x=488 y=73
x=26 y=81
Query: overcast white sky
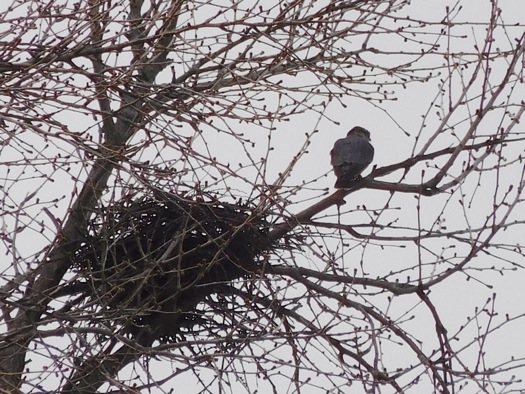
x=394 y=126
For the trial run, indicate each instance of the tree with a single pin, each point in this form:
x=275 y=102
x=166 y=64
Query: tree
x=167 y=217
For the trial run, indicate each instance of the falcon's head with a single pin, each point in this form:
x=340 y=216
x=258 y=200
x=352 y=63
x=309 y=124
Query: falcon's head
x=360 y=132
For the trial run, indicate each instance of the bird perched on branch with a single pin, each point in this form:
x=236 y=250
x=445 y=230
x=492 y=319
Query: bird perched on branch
x=350 y=156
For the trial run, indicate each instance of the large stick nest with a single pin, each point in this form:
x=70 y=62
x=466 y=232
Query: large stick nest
x=149 y=261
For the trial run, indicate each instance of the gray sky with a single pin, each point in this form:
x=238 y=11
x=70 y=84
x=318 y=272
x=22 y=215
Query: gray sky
x=395 y=125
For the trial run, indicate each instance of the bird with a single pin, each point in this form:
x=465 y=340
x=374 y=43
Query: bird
x=350 y=156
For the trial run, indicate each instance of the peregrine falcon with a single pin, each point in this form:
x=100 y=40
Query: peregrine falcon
x=350 y=156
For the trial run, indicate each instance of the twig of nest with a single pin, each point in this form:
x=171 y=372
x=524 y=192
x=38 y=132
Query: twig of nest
x=150 y=261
